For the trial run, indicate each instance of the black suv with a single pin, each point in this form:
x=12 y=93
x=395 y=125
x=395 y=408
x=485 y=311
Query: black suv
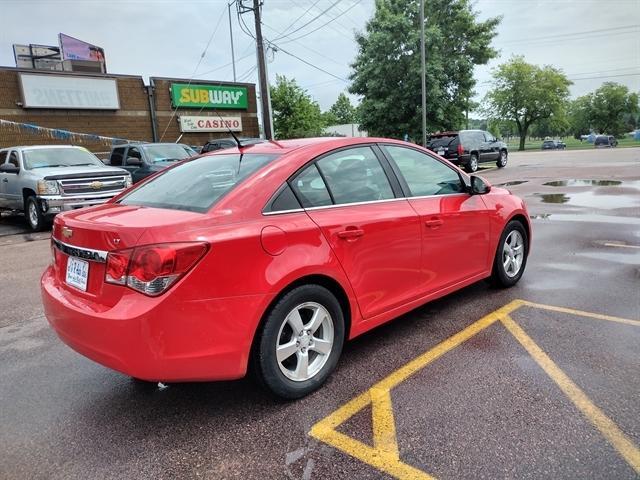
x=468 y=148
x=605 y=141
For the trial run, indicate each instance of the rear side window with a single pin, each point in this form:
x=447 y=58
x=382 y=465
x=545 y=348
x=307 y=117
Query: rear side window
x=117 y=156
x=424 y=174
x=355 y=175
x=284 y=201
x=310 y=188
x=196 y=185
x=3 y=157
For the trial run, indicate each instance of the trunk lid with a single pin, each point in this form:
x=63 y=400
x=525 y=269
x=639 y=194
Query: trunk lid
x=89 y=234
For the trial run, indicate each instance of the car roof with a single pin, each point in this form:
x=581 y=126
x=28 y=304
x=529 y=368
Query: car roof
x=281 y=147
x=37 y=147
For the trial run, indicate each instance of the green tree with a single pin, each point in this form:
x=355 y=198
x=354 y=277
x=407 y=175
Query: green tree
x=613 y=109
x=387 y=73
x=526 y=94
x=556 y=125
x=295 y=114
x=580 y=116
x=342 y=110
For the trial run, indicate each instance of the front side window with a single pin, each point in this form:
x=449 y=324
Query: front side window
x=59 y=157
x=117 y=156
x=355 y=175
x=3 y=157
x=13 y=159
x=424 y=174
x=196 y=185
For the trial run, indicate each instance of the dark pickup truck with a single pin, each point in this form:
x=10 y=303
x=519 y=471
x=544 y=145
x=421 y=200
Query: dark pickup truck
x=144 y=159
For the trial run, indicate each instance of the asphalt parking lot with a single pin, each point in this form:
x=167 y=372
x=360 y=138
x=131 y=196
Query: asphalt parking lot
x=538 y=381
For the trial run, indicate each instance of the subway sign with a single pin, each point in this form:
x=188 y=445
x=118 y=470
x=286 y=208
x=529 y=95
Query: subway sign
x=208 y=96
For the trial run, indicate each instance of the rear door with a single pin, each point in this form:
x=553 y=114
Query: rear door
x=351 y=196
x=13 y=187
x=454 y=224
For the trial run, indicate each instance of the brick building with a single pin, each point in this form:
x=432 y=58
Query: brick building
x=122 y=107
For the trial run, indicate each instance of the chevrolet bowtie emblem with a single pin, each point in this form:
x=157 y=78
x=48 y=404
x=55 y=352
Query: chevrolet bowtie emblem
x=96 y=185
x=67 y=232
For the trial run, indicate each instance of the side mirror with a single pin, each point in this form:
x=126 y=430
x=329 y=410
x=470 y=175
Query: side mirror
x=479 y=186
x=9 y=168
x=134 y=161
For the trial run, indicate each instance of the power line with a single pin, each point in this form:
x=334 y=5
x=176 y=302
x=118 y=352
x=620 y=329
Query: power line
x=607 y=76
x=309 y=48
x=296 y=20
x=321 y=26
x=310 y=21
x=564 y=36
x=280 y=49
x=175 y=109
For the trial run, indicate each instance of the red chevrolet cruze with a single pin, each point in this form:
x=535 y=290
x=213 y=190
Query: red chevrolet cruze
x=272 y=255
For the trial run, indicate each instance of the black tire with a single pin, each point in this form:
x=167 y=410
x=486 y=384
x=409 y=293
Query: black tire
x=502 y=159
x=265 y=363
x=500 y=276
x=472 y=165
x=33 y=214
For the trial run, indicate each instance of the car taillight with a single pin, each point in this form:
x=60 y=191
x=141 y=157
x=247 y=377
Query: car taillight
x=460 y=149
x=152 y=269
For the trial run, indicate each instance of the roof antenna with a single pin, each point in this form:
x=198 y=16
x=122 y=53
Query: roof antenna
x=237 y=140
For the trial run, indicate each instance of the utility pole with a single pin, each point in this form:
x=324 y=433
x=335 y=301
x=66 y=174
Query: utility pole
x=262 y=74
x=424 y=76
x=233 y=55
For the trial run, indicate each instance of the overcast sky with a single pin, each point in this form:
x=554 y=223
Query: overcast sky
x=591 y=41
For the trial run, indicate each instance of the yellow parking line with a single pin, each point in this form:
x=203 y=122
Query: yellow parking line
x=384 y=455
x=610 y=430
x=581 y=313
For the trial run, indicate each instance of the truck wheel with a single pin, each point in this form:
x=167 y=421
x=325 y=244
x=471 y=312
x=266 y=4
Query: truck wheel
x=502 y=160
x=35 y=218
x=472 y=166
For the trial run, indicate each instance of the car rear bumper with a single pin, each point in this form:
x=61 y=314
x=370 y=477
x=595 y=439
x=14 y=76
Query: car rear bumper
x=157 y=339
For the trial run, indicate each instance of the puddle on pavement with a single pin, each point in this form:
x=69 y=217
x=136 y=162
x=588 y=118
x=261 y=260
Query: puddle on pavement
x=583 y=183
x=568 y=217
x=509 y=184
x=553 y=197
x=591 y=199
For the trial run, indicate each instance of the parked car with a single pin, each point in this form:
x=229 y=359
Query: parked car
x=43 y=181
x=468 y=148
x=553 y=145
x=272 y=256
x=222 y=143
x=605 y=141
x=144 y=159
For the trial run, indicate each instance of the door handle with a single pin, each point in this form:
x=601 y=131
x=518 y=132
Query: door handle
x=351 y=233
x=434 y=223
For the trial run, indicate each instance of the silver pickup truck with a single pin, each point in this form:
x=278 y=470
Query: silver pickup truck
x=45 y=180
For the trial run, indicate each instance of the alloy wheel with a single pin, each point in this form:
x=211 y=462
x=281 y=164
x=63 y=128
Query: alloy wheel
x=33 y=214
x=305 y=341
x=513 y=253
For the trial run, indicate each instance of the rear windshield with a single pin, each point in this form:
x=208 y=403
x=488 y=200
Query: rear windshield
x=196 y=185
x=441 y=141
x=169 y=152
x=59 y=157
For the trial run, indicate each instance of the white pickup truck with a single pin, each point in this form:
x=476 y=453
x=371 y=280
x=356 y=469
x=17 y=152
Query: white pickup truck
x=45 y=180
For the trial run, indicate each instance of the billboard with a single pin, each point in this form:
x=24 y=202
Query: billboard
x=68 y=92
x=41 y=57
x=210 y=124
x=74 y=49
x=209 y=96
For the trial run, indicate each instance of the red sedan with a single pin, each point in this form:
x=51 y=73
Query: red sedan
x=271 y=255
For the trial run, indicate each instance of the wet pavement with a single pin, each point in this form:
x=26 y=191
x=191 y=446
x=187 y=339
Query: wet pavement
x=532 y=391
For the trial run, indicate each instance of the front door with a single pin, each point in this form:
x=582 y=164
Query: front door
x=374 y=235
x=455 y=224
x=3 y=181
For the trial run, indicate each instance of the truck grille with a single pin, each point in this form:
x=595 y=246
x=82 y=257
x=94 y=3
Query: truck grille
x=82 y=186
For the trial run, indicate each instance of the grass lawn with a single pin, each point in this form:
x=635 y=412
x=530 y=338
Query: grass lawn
x=572 y=144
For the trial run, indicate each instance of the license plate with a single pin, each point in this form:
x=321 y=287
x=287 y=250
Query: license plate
x=77 y=273
x=440 y=152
